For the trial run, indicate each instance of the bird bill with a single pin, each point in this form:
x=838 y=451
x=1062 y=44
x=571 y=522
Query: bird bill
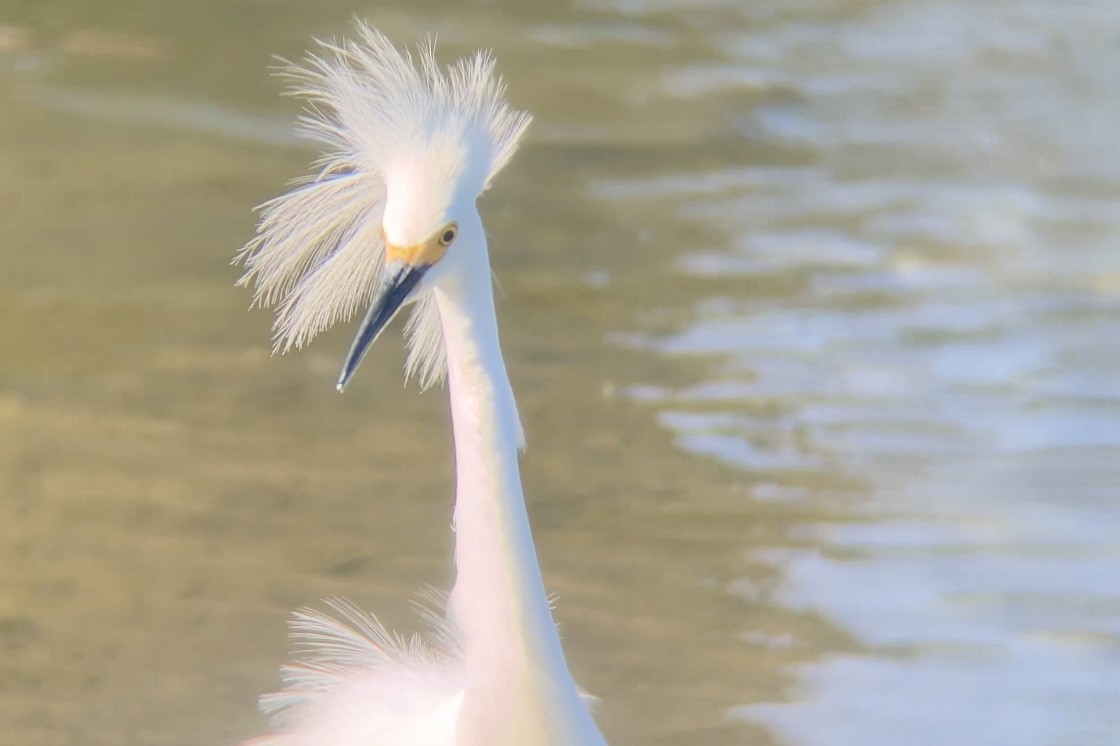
x=399 y=280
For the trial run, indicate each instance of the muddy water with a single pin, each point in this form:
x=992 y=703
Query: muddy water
x=810 y=309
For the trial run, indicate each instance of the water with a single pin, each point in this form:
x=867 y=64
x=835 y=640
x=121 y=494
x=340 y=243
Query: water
x=810 y=308
x=939 y=276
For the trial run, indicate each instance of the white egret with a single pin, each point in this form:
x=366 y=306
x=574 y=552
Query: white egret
x=390 y=220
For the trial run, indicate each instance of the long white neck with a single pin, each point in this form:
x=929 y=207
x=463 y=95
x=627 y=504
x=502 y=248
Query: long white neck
x=517 y=680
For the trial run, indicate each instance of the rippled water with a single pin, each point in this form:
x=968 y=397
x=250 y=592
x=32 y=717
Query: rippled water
x=811 y=308
x=939 y=294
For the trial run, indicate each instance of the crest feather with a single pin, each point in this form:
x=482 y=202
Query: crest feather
x=318 y=250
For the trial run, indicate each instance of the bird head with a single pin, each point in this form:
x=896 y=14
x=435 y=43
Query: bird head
x=390 y=213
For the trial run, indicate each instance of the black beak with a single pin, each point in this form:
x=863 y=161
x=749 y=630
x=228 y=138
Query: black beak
x=399 y=281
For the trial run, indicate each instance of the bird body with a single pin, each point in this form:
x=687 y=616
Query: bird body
x=391 y=221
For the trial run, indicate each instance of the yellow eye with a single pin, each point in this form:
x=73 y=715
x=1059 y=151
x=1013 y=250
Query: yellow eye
x=448 y=234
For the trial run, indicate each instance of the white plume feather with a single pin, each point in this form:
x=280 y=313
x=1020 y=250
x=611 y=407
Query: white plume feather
x=333 y=649
x=358 y=683
x=318 y=251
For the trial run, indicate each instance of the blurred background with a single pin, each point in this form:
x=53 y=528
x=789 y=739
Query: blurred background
x=811 y=307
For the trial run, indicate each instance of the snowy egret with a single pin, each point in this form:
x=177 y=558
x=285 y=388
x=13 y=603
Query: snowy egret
x=390 y=221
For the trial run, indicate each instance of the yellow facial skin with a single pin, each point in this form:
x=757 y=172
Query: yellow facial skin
x=423 y=254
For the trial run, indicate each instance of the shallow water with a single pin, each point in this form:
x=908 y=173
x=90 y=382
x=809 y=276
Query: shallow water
x=811 y=310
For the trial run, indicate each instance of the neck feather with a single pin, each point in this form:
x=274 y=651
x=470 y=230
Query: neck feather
x=513 y=658
x=498 y=596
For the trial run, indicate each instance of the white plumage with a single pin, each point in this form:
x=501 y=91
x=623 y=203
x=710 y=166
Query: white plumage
x=390 y=220
x=358 y=683
x=383 y=119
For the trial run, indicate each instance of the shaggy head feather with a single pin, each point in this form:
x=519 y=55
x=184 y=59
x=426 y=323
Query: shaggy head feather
x=403 y=139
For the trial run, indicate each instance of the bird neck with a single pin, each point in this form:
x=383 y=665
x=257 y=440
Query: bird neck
x=513 y=656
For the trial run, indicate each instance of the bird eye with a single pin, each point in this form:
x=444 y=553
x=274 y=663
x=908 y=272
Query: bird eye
x=448 y=235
